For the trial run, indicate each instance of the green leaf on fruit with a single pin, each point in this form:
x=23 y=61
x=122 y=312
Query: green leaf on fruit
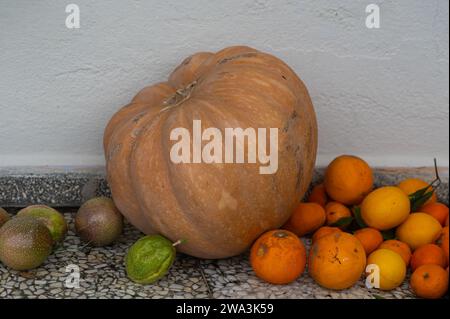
x=344 y=221
x=358 y=218
x=420 y=197
x=388 y=234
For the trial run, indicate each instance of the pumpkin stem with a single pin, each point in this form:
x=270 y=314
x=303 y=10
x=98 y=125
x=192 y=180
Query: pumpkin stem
x=181 y=95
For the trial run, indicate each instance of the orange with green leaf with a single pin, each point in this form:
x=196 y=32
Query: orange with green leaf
x=338 y=215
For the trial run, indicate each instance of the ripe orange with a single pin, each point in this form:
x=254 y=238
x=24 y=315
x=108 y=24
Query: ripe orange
x=335 y=211
x=428 y=254
x=306 y=219
x=323 y=231
x=437 y=210
x=443 y=241
x=318 y=195
x=411 y=185
x=348 y=179
x=399 y=247
x=336 y=261
x=370 y=238
x=278 y=257
x=429 y=281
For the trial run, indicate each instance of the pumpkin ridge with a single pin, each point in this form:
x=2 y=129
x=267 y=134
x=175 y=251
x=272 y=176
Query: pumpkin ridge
x=248 y=87
x=190 y=70
x=125 y=135
x=142 y=100
x=165 y=226
x=116 y=171
x=149 y=126
x=172 y=177
x=185 y=202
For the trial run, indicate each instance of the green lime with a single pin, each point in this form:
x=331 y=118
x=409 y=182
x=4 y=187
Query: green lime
x=149 y=259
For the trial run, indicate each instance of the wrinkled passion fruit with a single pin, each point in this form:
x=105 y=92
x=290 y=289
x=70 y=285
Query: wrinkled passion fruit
x=25 y=243
x=99 y=222
x=149 y=259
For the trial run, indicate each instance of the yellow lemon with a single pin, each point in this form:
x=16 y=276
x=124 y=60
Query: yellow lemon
x=392 y=268
x=385 y=208
x=419 y=229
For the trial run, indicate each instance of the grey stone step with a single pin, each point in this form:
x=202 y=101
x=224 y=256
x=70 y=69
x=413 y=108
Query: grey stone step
x=71 y=186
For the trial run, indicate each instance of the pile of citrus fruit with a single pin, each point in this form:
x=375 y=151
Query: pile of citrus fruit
x=361 y=231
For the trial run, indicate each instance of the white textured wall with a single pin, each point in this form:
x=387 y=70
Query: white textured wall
x=382 y=94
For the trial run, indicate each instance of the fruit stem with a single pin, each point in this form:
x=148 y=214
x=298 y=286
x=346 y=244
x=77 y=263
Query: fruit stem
x=437 y=180
x=178 y=242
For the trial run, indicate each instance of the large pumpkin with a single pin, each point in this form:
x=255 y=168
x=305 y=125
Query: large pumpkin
x=219 y=209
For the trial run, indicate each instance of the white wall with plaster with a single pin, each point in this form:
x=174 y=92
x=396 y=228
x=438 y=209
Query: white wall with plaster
x=379 y=93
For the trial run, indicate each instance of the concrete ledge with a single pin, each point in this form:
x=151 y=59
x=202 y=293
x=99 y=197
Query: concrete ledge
x=57 y=186
x=71 y=186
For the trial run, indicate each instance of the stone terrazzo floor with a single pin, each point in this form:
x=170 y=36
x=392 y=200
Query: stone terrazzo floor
x=102 y=275
x=102 y=272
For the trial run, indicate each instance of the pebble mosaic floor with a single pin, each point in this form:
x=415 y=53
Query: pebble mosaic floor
x=102 y=273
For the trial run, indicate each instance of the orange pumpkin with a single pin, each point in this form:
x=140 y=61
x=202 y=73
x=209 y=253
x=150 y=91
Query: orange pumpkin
x=218 y=208
x=278 y=257
x=337 y=261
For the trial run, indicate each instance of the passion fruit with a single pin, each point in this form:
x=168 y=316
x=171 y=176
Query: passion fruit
x=4 y=216
x=99 y=222
x=50 y=217
x=149 y=259
x=25 y=243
